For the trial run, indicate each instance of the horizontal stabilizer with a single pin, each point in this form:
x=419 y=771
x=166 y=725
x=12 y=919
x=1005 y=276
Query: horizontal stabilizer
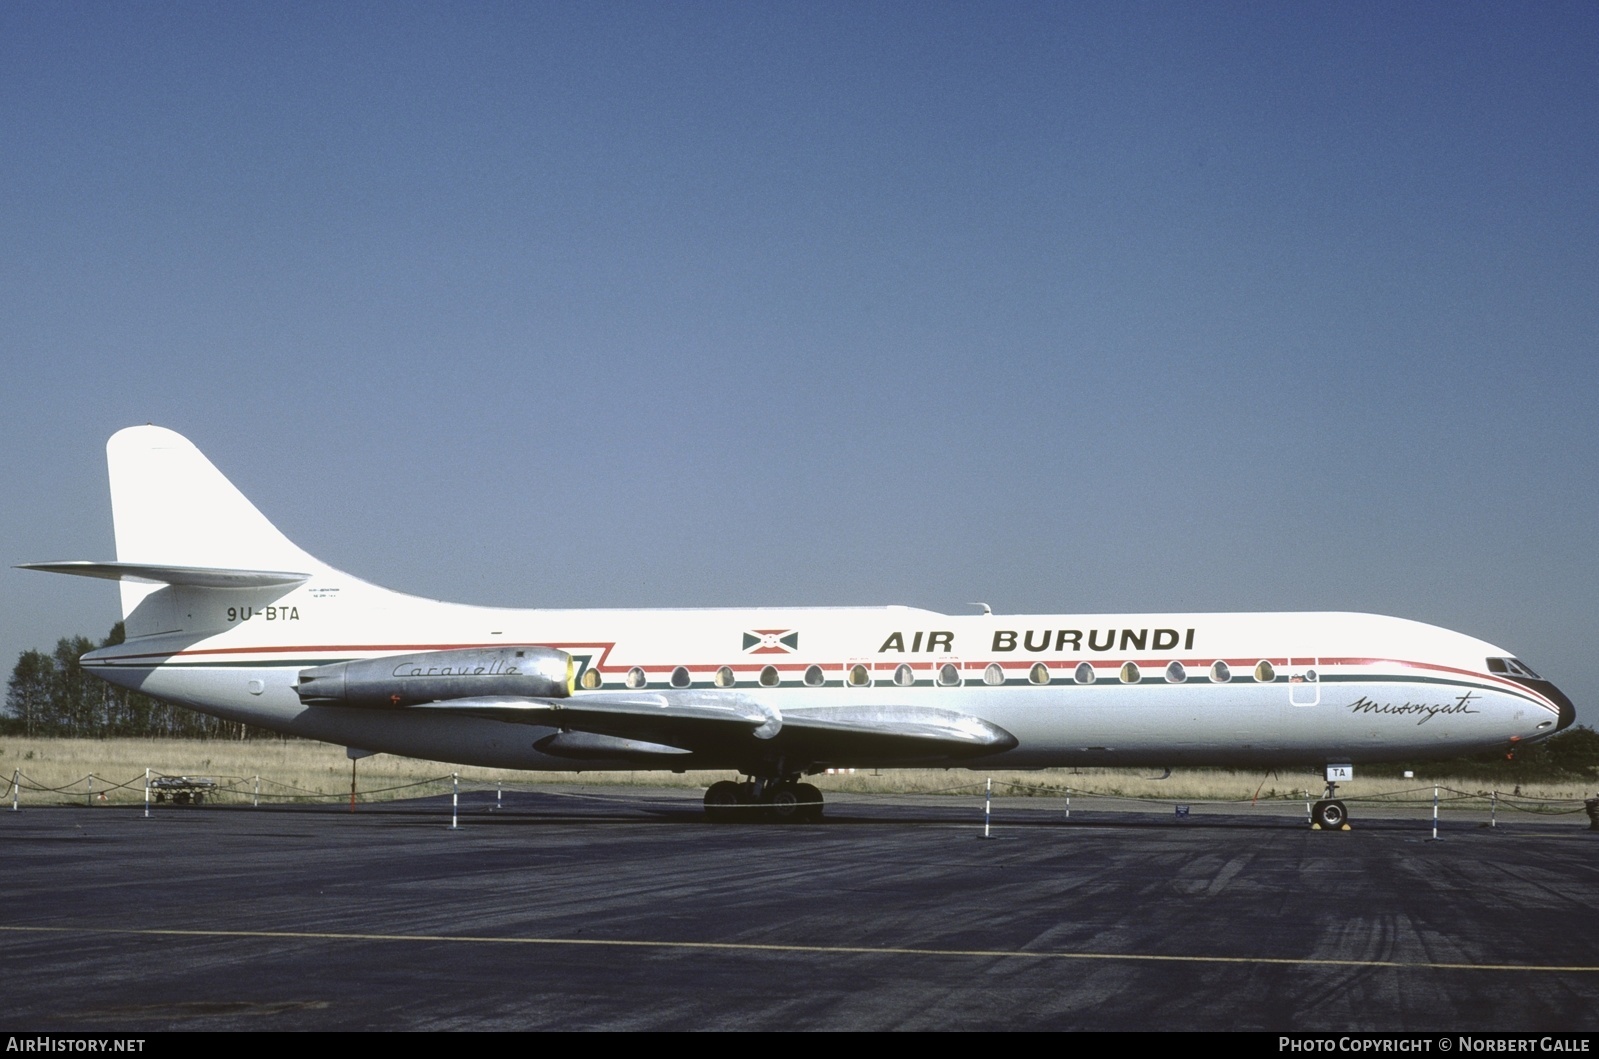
x=194 y=576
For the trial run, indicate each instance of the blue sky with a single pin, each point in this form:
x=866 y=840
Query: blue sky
x=1065 y=307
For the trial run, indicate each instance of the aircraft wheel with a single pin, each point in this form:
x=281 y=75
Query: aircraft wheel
x=720 y=800
x=1331 y=815
x=785 y=803
x=810 y=802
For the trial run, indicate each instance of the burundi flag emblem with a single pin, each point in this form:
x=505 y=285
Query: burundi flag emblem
x=771 y=641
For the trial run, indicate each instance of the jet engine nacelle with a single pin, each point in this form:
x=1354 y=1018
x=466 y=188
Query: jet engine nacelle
x=433 y=676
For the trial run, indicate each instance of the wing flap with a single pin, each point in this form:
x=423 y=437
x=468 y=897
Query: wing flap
x=891 y=732
x=905 y=722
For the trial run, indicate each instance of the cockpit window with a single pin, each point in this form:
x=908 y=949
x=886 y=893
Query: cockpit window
x=1512 y=667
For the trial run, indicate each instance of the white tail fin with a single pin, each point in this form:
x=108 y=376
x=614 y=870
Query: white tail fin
x=190 y=547
x=181 y=529
x=172 y=507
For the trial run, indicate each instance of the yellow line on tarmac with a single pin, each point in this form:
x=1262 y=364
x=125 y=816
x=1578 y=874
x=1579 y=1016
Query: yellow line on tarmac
x=825 y=950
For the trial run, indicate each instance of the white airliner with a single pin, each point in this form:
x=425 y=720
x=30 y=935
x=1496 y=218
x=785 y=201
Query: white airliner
x=224 y=614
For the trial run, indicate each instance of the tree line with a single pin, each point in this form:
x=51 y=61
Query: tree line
x=49 y=694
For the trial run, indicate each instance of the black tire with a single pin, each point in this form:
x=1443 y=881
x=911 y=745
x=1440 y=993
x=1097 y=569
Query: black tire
x=784 y=803
x=1331 y=815
x=811 y=799
x=721 y=801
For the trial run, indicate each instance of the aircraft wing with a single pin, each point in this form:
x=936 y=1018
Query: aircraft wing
x=708 y=721
x=689 y=721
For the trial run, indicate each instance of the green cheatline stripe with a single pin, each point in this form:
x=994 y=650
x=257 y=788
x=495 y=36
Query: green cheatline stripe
x=1152 y=679
x=1019 y=682
x=826 y=950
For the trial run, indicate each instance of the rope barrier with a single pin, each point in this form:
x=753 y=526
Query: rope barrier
x=253 y=787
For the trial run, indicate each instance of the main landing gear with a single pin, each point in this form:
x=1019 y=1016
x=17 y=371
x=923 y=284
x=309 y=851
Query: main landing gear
x=1329 y=814
x=758 y=800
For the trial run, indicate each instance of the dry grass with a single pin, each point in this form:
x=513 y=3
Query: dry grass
x=58 y=770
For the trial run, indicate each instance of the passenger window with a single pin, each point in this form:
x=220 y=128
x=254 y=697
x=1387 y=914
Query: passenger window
x=903 y=676
x=949 y=675
x=724 y=677
x=591 y=679
x=1220 y=672
x=813 y=677
x=859 y=676
x=1130 y=673
x=1175 y=673
x=635 y=677
x=769 y=677
x=1040 y=674
x=680 y=678
x=993 y=675
x=1264 y=672
x=1084 y=673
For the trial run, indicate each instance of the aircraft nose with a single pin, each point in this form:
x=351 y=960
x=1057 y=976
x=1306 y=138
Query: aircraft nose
x=1568 y=712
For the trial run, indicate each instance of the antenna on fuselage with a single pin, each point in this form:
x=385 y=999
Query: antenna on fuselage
x=987 y=610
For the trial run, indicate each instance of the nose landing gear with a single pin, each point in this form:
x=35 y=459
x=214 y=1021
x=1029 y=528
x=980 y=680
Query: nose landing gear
x=762 y=800
x=1329 y=814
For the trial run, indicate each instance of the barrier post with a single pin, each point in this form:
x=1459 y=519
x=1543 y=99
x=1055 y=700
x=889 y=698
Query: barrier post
x=147 y=792
x=16 y=788
x=1434 y=812
x=988 y=805
x=255 y=802
x=1493 y=809
x=455 y=801
x=90 y=795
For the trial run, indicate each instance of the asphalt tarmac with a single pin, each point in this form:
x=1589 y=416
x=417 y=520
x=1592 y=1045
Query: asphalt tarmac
x=620 y=908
